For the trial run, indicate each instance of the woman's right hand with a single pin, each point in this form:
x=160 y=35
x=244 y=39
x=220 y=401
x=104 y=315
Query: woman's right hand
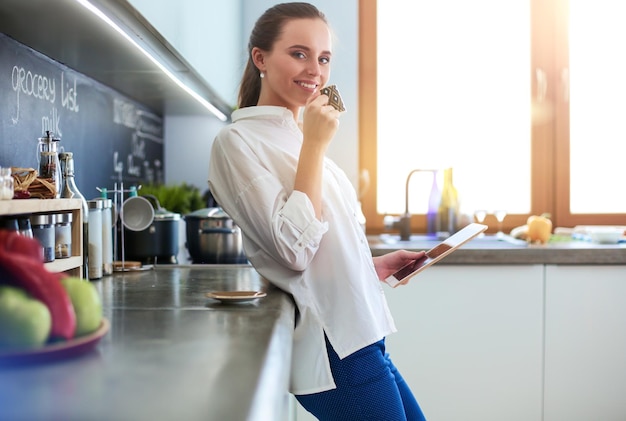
x=320 y=121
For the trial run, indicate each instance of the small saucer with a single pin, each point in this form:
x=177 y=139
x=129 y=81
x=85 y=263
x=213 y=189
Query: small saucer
x=236 y=296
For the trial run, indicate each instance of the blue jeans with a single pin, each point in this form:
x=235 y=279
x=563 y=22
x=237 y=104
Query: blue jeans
x=369 y=387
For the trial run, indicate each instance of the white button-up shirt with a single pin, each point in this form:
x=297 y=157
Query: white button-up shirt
x=326 y=265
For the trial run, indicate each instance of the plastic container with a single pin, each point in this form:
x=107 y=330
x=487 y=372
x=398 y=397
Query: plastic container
x=94 y=252
x=107 y=234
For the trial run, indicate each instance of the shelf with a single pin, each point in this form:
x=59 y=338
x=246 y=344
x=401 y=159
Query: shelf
x=23 y=206
x=64 y=265
x=71 y=265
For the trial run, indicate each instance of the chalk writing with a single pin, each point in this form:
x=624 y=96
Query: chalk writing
x=41 y=87
x=41 y=95
x=138 y=147
x=69 y=97
x=118 y=166
x=124 y=113
x=31 y=84
x=51 y=123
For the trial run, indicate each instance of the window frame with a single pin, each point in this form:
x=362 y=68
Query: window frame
x=549 y=137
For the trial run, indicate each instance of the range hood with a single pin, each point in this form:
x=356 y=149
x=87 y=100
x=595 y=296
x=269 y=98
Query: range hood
x=109 y=41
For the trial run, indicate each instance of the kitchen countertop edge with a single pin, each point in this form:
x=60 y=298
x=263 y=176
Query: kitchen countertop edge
x=557 y=254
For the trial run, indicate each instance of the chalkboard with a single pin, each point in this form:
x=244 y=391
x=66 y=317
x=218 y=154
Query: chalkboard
x=113 y=138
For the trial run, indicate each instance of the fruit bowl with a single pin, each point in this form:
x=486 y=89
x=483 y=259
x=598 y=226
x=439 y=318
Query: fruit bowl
x=57 y=350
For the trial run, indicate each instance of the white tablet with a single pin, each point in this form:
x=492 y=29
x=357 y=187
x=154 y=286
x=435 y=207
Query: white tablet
x=435 y=254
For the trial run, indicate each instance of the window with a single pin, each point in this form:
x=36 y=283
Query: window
x=597 y=111
x=484 y=87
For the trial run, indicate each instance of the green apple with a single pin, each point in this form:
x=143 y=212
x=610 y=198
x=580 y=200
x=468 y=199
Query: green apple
x=87 y=304
x=24 y=321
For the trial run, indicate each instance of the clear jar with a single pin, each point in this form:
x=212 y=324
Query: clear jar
x=63 y=235
x=9 y=223
x=43 y=230
x=48 y=161
x=6 y=184
x=94 y=233
x=23 y=222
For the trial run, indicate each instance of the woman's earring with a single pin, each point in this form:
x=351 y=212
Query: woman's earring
x=262 y=75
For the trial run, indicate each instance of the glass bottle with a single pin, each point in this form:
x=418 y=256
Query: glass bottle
x=48 y=160
x=448 y=214
x=433 y=207
x=6 y=184
x=70 y=191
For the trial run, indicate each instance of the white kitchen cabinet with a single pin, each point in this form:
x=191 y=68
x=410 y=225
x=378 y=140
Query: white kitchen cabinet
x=207 y=34
x=585 y=349
x=470 y=341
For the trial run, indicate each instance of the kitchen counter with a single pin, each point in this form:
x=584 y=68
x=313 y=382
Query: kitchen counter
x=489 y=250
x=171 y=353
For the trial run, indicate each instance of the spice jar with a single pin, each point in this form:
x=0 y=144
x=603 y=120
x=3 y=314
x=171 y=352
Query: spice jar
x=63 y=235
x=9 y=223
x=6 y=184
x=23 y=222
x=43 y=230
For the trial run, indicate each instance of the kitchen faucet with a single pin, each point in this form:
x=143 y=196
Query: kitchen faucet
x=403 y=222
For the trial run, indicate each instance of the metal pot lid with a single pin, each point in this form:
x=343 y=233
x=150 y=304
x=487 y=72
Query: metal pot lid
x=208 y=213
x=163 y=214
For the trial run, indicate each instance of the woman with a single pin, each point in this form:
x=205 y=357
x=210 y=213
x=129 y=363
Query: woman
x=297 y=211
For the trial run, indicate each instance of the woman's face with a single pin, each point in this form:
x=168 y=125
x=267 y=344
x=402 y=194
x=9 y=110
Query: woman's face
x=298 y=64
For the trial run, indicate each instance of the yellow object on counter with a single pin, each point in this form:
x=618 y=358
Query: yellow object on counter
x=539 y=229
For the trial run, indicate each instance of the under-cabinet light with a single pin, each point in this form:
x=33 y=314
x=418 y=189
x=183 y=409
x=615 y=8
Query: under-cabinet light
x=169 y=74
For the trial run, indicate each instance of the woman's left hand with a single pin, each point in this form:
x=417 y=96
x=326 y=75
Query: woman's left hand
x=389 y=263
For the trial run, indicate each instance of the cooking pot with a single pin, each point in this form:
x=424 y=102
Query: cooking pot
x=213 y=237
x=159 y=243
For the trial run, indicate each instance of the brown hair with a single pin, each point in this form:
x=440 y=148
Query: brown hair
x=265 y=32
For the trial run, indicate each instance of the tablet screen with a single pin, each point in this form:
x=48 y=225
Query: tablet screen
x=436 y=253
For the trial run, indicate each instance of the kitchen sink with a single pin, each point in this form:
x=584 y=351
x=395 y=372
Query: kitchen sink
x=424 y=241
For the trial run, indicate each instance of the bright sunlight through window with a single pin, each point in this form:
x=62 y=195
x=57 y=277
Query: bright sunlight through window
x=597 y=91
x=454 y=91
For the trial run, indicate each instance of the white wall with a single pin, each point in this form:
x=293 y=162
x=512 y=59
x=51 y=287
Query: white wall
x=213 y=37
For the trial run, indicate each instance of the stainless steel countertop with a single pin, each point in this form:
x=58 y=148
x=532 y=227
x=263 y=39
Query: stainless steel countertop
x=171 y=353
x=491 y=251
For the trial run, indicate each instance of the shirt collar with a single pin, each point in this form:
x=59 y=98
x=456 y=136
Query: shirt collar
x=261 y=111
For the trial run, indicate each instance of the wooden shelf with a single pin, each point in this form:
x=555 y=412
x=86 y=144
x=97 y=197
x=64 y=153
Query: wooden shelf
x=24 y=206
x=72 y=265
x=65 y=265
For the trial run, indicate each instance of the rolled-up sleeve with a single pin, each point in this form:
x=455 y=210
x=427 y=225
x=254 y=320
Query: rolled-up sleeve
x=257 y=192
x=296 y=224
